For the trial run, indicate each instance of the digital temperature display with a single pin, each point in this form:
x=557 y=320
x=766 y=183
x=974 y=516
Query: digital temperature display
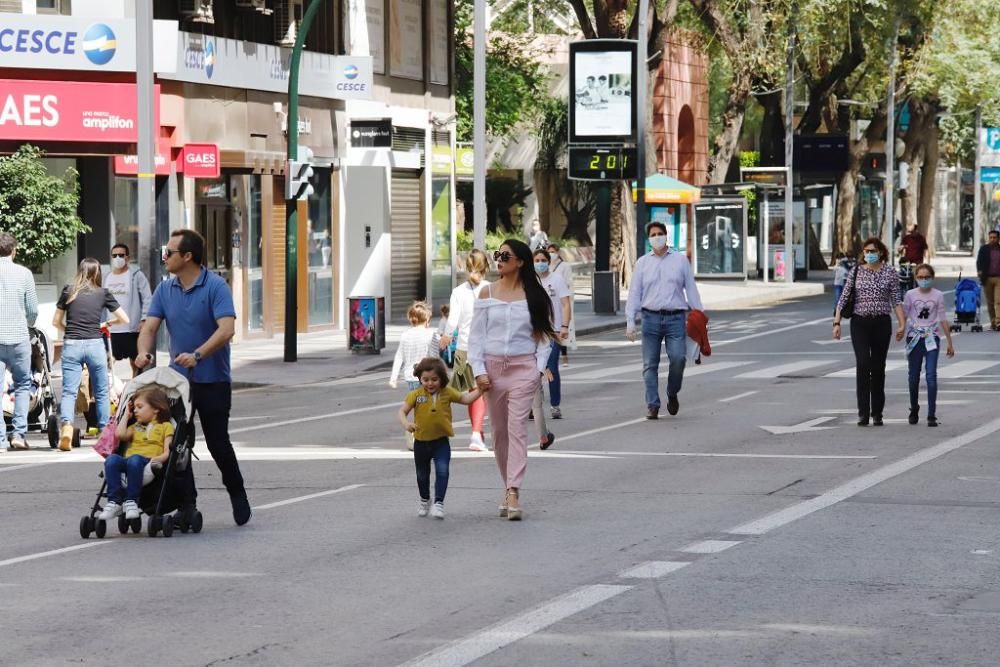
x=602 y=164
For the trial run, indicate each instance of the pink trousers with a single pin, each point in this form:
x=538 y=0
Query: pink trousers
x=514 y=381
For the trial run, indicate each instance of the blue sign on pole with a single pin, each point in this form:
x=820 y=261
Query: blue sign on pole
x=989 y=175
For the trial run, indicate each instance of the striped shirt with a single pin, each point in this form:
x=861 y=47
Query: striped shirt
x=18 y=302
x=877 y=291
x=416 y=343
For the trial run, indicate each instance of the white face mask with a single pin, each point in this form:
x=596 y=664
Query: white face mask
x=658 y=242
x=553 y=257
x=118 y=262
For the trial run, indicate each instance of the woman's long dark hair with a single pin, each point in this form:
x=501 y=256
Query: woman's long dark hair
x=539 y=304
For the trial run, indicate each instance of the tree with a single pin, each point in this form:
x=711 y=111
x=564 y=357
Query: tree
x=574 y=198
x=516 y=81
x=37 y=208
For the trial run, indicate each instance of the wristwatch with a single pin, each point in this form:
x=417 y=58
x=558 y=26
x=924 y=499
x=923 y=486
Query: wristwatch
x=197 y=356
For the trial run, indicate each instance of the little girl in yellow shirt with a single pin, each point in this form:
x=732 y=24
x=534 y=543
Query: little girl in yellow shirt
x=148 y=441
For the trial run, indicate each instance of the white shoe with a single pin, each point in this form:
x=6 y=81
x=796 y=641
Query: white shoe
x=425 y=505
x=438 y=511
x=476 y=443
x=112 y=510
x=132 y=510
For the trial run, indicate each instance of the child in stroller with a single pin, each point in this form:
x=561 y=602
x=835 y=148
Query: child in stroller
x=160 y=402
x=41 y=398
x=147 y=439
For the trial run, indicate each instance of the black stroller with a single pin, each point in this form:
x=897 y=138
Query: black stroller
x=43 y=413
x=172 y=488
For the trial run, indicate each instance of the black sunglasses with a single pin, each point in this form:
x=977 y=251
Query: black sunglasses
x=502 y=256
x=118 y=254
x=168 y=253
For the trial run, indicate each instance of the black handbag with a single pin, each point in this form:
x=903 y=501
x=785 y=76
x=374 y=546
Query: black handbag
x=848 y=310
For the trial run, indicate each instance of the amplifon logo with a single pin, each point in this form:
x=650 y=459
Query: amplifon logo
x=99 y=44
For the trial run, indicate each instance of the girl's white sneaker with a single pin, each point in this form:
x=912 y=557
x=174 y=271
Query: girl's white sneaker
x=425 y=506
x=437 y=511
x=112 y=510
x=131 y=510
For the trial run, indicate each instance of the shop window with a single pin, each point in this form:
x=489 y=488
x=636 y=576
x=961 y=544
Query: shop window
x=126 y=229
x=54 y=7
x=255 y=255
x=319 y=239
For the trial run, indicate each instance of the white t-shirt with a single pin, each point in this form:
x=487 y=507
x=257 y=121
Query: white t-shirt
x=120 y=286
x=557 y=289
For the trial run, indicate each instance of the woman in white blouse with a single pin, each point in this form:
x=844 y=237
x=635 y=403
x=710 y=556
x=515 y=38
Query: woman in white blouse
x=509 y=348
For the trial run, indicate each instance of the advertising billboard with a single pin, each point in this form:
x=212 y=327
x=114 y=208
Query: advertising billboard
x=720 y=232
x=602 y=107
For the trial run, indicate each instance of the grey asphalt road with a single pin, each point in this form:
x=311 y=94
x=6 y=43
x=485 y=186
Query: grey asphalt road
x=701 y=539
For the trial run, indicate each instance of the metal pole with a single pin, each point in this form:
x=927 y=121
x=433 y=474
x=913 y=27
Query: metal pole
x=602 y=258
x=479 y=126
x=977 y=202
x=789 y=139
x=149 y=249
x=291 y=217
x=889 y=231
x=766 y=232
x=642 y=75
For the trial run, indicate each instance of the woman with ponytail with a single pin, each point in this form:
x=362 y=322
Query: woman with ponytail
x=509 y=349
x=463 y=300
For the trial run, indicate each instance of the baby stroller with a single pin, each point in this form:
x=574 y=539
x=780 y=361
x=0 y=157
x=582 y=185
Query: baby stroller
x=42 y=410
x=907 y=280
x=172 y=488
x=968 y=295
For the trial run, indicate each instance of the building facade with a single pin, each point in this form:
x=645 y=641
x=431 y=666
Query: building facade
x=222 y=76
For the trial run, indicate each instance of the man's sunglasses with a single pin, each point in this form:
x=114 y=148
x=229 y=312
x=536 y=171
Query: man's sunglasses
x=168 y=253
x=502 y=256
x=118 y=254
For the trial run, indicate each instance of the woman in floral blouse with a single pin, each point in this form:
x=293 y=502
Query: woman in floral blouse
x=875 y=288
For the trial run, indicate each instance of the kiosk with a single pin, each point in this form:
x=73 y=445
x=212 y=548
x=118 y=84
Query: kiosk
x=669 y=201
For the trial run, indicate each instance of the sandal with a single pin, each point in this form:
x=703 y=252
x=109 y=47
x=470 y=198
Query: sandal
x=513 y=513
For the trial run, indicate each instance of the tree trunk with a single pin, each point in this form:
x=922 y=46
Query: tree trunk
x=928 y=177
x=732 y=124
x=847 y=188
x=772 y=130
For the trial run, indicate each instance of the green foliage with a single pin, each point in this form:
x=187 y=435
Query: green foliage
x=494 y=240
x=516 y=81
x=749 y=158
x=37 y=208
x=514 y=18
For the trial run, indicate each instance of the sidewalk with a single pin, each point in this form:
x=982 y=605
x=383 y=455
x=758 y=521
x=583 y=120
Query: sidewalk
x=323 y=356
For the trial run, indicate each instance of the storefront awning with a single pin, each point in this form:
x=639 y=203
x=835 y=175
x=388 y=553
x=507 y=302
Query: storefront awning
x=661 y=189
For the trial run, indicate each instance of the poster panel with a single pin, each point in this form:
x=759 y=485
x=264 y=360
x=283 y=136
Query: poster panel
x=440 y=40
x=406 y=39
x=602 y=100
x=720 y=237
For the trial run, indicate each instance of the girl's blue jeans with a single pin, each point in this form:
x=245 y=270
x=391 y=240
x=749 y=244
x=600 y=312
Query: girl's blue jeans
x=75 y=354
x=132 y=467
x=918 y=356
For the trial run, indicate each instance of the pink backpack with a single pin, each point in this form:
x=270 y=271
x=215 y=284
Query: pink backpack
x=107 y=443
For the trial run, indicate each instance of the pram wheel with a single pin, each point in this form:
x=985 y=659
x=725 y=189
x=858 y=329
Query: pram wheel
x=136 y=525
x=52 y=429
x=977 y=328
x=956 y=327
x=101 y=528
x=122 y=525
x=153 y=525
x=76 y=438
x=86 y=527
x=168 y=526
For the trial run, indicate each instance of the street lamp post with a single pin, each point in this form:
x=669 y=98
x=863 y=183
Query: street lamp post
x=479 y=125
x=148 y=250
x=789 y=153
x=291 y=215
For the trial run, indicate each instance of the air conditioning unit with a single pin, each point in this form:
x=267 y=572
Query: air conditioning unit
x=287 y=15
x=261 y=6
x=197 y=11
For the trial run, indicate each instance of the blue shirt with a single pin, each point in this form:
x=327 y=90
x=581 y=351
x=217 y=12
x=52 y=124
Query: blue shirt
x=191 y=316
x=661 y=283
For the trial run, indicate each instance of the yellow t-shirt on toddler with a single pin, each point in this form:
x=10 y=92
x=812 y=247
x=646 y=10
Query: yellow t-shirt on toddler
x=148 y=439
x=432 y=412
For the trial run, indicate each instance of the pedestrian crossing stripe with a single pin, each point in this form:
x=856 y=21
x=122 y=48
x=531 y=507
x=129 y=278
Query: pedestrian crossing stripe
x=785 y=369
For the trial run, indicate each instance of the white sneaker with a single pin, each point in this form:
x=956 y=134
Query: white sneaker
x=131 y=510
x=438 y=511
x=476 y=443
x=425 y=505
x=112 y=510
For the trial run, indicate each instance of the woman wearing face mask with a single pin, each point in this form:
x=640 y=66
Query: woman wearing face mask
x=509 y=350
x=559 y=295
x=874 y=286
x=129 y=286
x=926 y=319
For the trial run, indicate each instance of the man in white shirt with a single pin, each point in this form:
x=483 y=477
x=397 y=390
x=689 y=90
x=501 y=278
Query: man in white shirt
x=662 y=292
x=130 y=288
x=18 y=311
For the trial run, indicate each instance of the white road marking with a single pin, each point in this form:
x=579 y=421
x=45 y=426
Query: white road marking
x=713 y=455
x=803 y=427
x=602 y=429
x=831 y=341
x=771 y=331
x=251 y=418
x=653 y=569
x=864 y=482
x=890 y=365
x=708 y=367
x=313 y=418
x=484 y=642
x=784 y=369
x=960 y=369
x=739 y=396
x=607 y=371
x=54 y=552
x=299 y=499
x=710 y=546
x=8 y=468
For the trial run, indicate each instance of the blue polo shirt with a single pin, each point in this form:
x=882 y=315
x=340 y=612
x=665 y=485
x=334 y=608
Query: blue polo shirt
x=191 y=316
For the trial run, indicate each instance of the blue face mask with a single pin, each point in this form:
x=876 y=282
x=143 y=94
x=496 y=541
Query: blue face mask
x=924 y=283
x=871 y=257
x=541 y=267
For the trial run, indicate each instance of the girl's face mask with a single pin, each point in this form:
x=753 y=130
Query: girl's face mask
x=541 y=267
x=925 y=283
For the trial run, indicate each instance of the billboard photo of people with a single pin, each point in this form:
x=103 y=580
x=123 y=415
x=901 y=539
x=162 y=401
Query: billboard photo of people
x=603 y=93
x=720 y=233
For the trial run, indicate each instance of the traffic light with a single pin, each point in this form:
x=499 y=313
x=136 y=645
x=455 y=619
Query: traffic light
x=298 y=174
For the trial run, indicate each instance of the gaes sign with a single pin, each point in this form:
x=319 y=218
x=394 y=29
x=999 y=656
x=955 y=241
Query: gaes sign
x=201 y=160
